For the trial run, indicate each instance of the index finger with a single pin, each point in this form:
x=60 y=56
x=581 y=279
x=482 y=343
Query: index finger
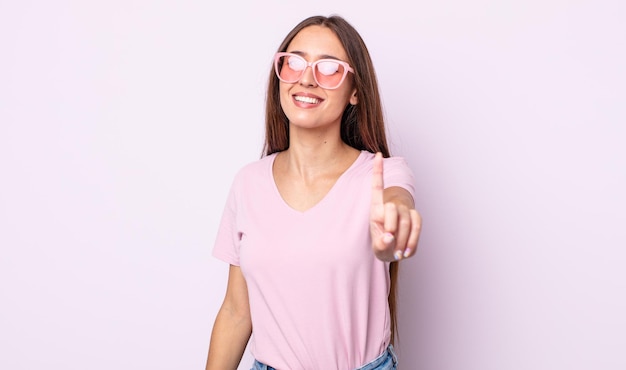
x=377 y=182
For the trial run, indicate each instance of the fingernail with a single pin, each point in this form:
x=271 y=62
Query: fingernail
x=397 y=255
x=387 y=238
x=407 y=252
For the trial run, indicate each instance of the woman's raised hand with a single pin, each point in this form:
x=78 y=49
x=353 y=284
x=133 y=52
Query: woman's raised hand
x=394 y=223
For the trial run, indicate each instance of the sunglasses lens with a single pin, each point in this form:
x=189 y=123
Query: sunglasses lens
x=290 y=68
x=329 y=74
x=329 y=68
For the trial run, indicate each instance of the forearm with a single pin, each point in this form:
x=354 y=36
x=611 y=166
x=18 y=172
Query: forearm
x=229 y=338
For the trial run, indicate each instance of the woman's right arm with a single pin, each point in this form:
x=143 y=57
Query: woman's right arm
x=233 y=326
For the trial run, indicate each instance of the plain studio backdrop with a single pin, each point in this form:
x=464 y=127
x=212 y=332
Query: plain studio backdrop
x=122 y=124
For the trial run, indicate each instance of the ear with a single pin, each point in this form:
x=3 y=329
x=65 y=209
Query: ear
x=353 y=99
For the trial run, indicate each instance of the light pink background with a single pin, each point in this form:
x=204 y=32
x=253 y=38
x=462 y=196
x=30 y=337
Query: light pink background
x=123 y=122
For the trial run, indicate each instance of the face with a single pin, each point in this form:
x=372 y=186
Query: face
x=305 y=103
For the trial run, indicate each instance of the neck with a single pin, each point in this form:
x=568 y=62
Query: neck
x=313 y=160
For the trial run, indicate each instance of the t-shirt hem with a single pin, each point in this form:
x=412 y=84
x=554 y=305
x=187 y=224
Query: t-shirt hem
x=224 y=257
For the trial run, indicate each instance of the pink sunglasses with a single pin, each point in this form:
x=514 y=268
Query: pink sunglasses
x=328 y=73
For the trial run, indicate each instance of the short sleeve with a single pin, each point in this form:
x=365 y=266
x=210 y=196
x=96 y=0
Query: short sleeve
x=226 y=247
x=396 y=172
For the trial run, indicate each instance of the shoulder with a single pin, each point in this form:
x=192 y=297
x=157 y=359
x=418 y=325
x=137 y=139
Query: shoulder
x=396 y=171
x=389 y=163
x=256 y=169
x=252 y=177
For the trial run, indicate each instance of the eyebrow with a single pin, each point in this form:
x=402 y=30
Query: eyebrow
x=323 y=56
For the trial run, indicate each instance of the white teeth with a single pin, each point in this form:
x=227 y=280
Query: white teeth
x=306 y=99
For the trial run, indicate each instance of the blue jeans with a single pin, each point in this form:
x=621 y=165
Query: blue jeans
x=387 y=361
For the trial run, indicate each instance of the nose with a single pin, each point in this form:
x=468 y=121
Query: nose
x=308 y=78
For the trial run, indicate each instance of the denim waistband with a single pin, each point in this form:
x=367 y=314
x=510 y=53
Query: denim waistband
x=386 y=361
x=261 y=366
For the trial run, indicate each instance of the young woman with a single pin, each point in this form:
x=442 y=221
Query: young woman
x=314 y=230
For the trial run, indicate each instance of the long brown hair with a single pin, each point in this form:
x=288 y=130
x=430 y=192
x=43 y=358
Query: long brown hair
x=362 y=125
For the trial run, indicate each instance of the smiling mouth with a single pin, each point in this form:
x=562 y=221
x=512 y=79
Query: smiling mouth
x=306 y=99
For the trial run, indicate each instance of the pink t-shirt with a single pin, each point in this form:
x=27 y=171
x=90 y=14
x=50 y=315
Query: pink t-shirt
x=318 y=295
